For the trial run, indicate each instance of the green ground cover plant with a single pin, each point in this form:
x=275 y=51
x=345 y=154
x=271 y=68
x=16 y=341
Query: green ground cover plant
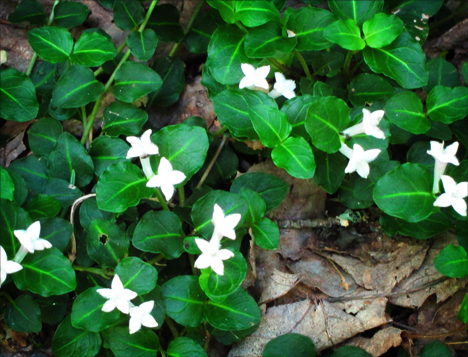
x=116 y=236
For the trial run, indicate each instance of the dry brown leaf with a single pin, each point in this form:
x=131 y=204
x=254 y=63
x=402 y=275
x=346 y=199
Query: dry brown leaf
x=380 y=343
x=12 y=150
x=278 y=285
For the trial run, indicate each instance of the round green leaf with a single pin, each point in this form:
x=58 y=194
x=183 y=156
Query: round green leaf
x=346 y=34
x=29 y=10
x=144 y=343
x=7 y=188
x=436 y=223
x=185 y=347
x=226 y=9
x=18 y=96
x=57 y=231
x=172 y=72
x=356 y=193
x=123 y=119
x=12 y=217
x=406 y=111
x=93 y=49
x=270 y=123
x=330 y=170
x=202 y=29
x=69 y=14
x=257 y=205
x=441 y=72
x=33 y=170
x=463 y=311
x=229 y=337
x=290 y=345
x=165 y=22
x=43 y=136
x=44 y=77
x=20 y=191
x=184 y=300
x=452 y=262
x=46 y=272
x=142 y=44
x=357 y=10
x=296 y=110
x=137 y=275
x=435 y=349
x=263 y=41
x=382 y=29
x=23 y=315
x=53 y=308
x=256 y=13
x=73 y=342
x=296 y=157
x=447 y=105
x=405 y=192
x=106 y=151
x=89 y=211
x=52 y=44
x=266 y=234
x=368 y=88
x=128 y=14
x=63 y=191
x=43 y=205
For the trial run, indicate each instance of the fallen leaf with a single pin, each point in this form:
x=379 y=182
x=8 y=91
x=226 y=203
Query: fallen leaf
x=12 y=150
x=278 y=285
x=380 y=343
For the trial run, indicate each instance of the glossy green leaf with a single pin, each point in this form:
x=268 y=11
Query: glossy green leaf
x=225 y=166
x=123 y=119
x=73 y=342
x=185 y=347
x=447 y=105
x=69 y=14
x=53 y=308
x=160 y=232
x=172 y=72
x=296 y=110
x=270 y=123
x=46 y=272
x=28 y=10
x=7 y=188
x=229 y=337
x=144 y=343
x=441 y=72
x=12 y=217
x=452 y=262
x=76 y=87
x=93 y=49
x=326 y=118
x=137 y=275
x=356 y=193
x=350 y=351
x=346 y=34
x=60 y=113
x=52 y=44
x=44 y=77
x=263 y=41
x=403 y=60
x=202 y=29
x=43 y=205
x=68 y=156
x=106 y=151
x=89 y=211
x=62 y=190
x=290 y=345
x=436 y=223
x=142 y=44
x=33 y=170
x=463 y=311
x=121 y=186
x=369 y=88
x=435 y=349
x=165 y=22
x=266 y=234
x=330 y=170
x=405 y=192
x=226 y=9
x=20 y=191
x=406 y=111
x=358 y=11
x=327 y=63
x=257 y=205
x=134 y=80
x=57 y=231
x=43 y=136
x=18 y=96
x=256 y=13
x=238 y=311
x=296 y=157
x=465 y=72
x=185 y=300
x=382 y=29
x=23 y=315
x=159 y=309
x=128 y=14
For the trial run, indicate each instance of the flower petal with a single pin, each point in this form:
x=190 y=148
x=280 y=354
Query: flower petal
x=123 y=306
x=177 y=177
x=134 y=325
x=149 y=321
x=203 y=245
x=117 y=284
x=444 y=200
x=34 y=230
x=164 y=167
x=459 y=205
x=246 y=82
x=225 y=254
x=202 y=262
x=363 y=169
x=41 y=244
x=128 y=294
x=147 y=307
x=217 y=266
x=218 y=215
x=462 y=190
x=155 y=181
x=106 y=293
x=134 y=152
x=11 y=267
x=262 y=72
x=109 y=306
x=248 y=69
x=450 y=186
x=168 y=190
x=371 y=155
x=25 y=240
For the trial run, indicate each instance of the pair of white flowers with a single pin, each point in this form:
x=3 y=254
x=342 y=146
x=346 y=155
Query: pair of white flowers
x=212 y=256
x=119 y=298
x=166 y=178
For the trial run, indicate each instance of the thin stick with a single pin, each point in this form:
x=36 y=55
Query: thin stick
x=72 y=255
x=212 y=162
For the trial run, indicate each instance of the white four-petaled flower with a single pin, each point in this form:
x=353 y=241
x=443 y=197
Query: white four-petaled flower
x=166 y=178
x=254 y=77
x=369 y=125
x=212 y=256
x=442 y=158
x=141 y=315
x=224 y=226
x=454 y=195
x=30 y=240
x=283 y=87
x=7 y=266
x=359 y=159
x=142 y=147
x=118 y=297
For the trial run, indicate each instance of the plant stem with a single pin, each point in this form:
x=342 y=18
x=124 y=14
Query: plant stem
x=303 y=63
x=220 y=131
x=155 y=259
x=101 y=272
x=161 y=199
x=181 y=196
x=208 y=338
x=187 y=29
x=163 y=354
x=171 y=326
x=98 y=71
x=8 y=297
x=281 y=66
x=347 y=62
x=192 y=265
x=212 y=162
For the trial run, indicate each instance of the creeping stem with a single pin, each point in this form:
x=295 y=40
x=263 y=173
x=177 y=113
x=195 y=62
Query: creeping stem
x=349 y=57
x=161 y=199
x=303 y=63
x=212 y=162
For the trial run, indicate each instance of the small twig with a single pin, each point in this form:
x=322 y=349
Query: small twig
x=440 y=335
x=212 y=162
x=308 y=223
x=101 y=272
x=344 y=284
x=72 y=255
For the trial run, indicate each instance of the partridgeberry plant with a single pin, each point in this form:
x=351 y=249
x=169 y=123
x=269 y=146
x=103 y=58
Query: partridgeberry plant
x=135 y=233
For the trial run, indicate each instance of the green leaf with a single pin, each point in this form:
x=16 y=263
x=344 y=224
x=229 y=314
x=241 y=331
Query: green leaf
x=18 y=96
x=20 y=191
x=447 y=105
x=350 y=351
x=346 y=34
x=89 y=211
x=405 y=192
x=87 y=314
x=238 y=311
x=263 y=41
x=202 y=210
x=121 y=186
x=309 y=23
x=226 y=9
x=326 y=118
x=123 y=119
x=43 y=136
x=46 y=272
x=226 y=54
x=270 y=123
x=43 y=205
x=290 y=345
x=185 y=300
x=382 y=29
x=144 y=343
x=53 y=308
x=327 y=63
x=33 y=170
x=225 y=166
x=165 y=22
x=12 y=217
x=184 y=146
x=160 y=232
x=106 y=151
x=159 y=309
x=76 y=87
x=442 y=72
x=358 y=11
x=257 y=205
x=185 y=347
x=406 y=111
x=296 y=157
x=463 y=311
x=330 y=170
x=272 y=189
x=106 y=243
x=256 y=13
x=296 y=110
x=73 y=342
x=134 y=80
x=57 y=231
x=52 y=44
x=202 y=29
x=435 y=349
x=356 y=193
x=68 y=156
x=60 y=113
x=266 y=234
x=137 y=275
x=465 y=72
x=435 y=224
x=7 y=188
x=229 y=337
x=62 y=190
x=93 y=49
x=452 y=262
x=172 y=72
x=28 y=10
x=44 y=77
x=218 y=287
x=403 y=60
x=142 y=44
x=69 y=14
x=23 y=315
x=128 y=14
x=369 y=88
x=233 y=106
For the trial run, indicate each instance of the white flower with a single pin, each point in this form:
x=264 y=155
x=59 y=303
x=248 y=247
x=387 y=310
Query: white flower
x=141 y=315
x=369 y=125
x=7 y=266
x=30 y=240
x=142 y=147
x=283 y=87
x=359 y=159
x=118 y=296
x=211 y=255
x=446 y=155
x=291 y=33
x=454 y=195
x=254 y=77
x=166 y=178
x=224 y=226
